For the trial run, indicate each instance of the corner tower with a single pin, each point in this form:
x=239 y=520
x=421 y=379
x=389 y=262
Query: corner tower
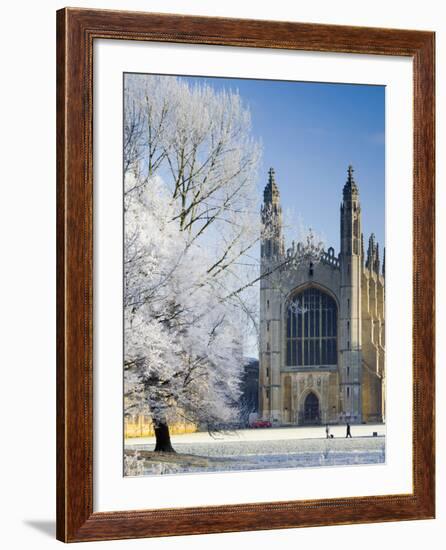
x=350 y=344
x=271 y=256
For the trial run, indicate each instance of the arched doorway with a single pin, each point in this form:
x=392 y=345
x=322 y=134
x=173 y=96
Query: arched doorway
x=311 y=409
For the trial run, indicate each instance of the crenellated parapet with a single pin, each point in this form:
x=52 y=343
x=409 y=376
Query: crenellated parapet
x=329 y=258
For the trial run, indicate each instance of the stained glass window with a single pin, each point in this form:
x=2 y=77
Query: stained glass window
x=312 y=329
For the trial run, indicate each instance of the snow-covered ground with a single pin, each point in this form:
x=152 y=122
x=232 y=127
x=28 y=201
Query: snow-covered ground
x=266 y=434
x=265 y=449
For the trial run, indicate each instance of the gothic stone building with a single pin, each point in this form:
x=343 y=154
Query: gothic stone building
x=321 y=323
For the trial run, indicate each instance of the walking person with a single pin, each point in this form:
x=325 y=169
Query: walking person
x=349 y=433
x=327 y=431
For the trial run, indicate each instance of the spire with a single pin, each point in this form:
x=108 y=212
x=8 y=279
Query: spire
x=271 y=176
x=271 y=193
x=384 y=263
x=271 y=212
x=373 y=262
x=350 y=187
x=371 y=253
x=350 y=173
x=350 y=217
x=376 y=263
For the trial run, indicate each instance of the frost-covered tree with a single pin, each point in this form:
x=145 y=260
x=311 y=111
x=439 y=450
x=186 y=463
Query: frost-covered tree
x=182 y=345
x=190 y=168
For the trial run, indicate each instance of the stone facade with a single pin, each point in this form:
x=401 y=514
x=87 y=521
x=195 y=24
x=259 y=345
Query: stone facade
x=322 y=321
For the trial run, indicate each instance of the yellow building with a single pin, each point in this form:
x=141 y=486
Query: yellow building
x=139 y=425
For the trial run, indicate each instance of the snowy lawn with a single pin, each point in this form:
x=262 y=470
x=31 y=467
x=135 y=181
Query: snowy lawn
x=269 y=450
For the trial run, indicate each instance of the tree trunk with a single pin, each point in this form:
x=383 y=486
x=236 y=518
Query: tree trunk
x=163 y=443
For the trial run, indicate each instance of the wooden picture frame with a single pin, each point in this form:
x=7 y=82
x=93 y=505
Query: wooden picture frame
x=77 y=29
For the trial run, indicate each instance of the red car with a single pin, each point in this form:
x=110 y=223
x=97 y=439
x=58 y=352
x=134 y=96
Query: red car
x=261 y=424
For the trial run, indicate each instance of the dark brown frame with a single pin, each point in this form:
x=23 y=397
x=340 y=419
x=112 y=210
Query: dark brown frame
x=76 y=31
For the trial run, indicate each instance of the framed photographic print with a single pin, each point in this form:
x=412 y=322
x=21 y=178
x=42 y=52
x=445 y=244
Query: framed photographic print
x=245 y=275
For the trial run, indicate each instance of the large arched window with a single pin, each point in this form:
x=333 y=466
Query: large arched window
x=311 y=329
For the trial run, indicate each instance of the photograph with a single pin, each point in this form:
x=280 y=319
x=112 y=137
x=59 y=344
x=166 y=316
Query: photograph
x=220 y=276
x=253 y=274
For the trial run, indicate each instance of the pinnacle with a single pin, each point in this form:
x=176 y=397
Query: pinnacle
x=350 y=173
x=271 y=176
x=350 y=186
x=271 y=192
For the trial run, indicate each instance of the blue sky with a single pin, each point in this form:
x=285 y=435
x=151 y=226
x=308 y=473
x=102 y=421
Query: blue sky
x=310 y=133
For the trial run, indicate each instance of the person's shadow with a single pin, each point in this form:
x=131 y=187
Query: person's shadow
x=45 y=526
